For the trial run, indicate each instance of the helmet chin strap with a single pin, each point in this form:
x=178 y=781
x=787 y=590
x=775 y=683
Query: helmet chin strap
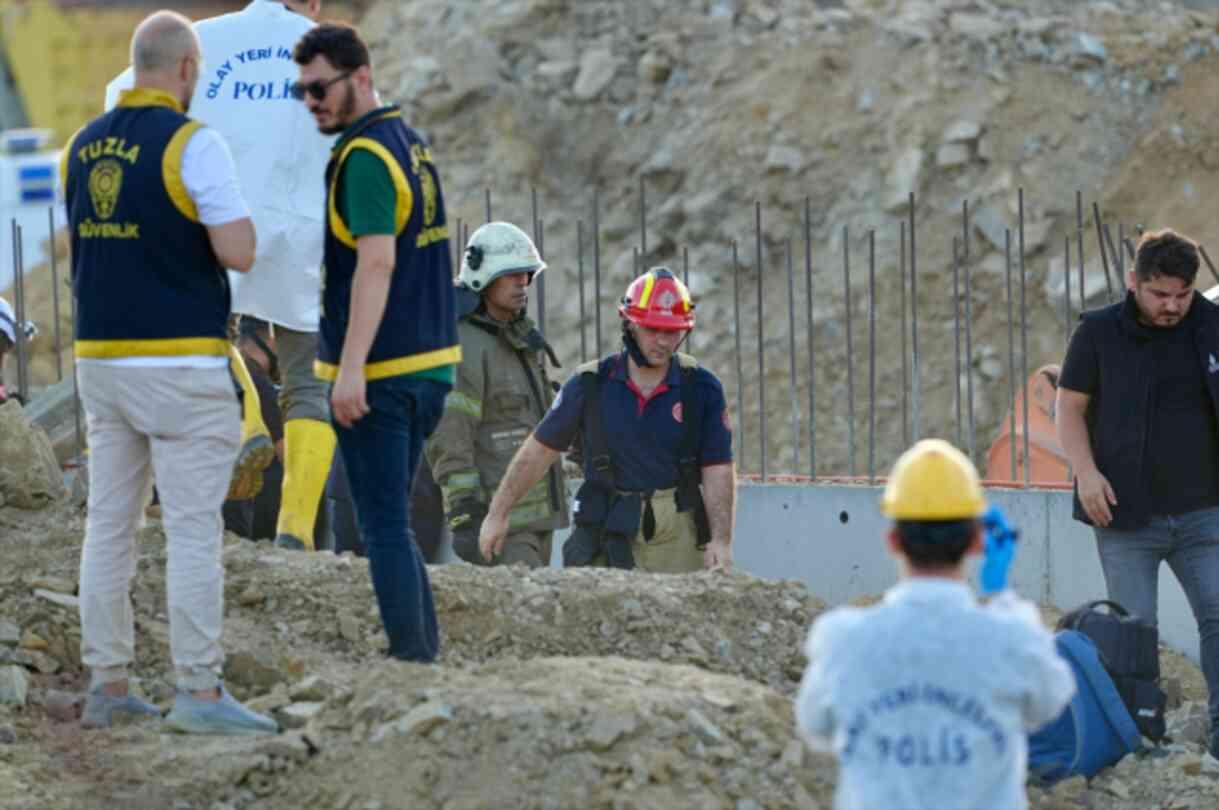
x=632 y=345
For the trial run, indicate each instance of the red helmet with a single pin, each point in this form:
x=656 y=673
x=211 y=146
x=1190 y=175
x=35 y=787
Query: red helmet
x=658 y=300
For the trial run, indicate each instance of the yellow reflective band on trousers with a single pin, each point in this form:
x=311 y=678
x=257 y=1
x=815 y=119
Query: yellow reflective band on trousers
x=461 y=485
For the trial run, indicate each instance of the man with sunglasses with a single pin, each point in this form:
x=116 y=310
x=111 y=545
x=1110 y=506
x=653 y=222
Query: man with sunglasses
x=388 y=338
x=244 y=92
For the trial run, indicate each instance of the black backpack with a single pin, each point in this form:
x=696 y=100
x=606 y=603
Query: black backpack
x=1130 y=650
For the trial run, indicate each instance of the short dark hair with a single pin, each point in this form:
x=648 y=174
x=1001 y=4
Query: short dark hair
x=338 y=42
x=1166 y=253
x=935 y=543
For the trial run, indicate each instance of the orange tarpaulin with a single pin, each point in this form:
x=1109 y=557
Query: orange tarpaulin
x=1047 y=461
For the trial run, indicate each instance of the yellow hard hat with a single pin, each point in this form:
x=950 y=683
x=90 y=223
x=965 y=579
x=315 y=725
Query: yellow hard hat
x=933 y=481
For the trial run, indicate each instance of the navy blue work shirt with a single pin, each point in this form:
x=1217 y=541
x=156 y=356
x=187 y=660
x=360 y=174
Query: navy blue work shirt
x=644 y=433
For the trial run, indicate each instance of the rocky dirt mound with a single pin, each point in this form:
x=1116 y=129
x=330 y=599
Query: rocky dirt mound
x=557 y=733
x=29 y=474
x=717 y=104
x=554 y=689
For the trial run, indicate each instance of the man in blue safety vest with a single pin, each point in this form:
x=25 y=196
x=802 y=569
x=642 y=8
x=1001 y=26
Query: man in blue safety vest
x=661 y=496
x=156 y=215
x=388 y=340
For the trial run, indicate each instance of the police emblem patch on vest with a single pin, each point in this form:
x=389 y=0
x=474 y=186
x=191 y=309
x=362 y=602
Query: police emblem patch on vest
x=105 y=180
x=428 y=186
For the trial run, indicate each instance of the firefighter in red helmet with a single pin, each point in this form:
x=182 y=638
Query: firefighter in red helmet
x=659 y=486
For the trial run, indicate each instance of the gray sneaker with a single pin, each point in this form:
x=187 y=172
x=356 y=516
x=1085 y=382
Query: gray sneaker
x=227 y=716
x=100 y=709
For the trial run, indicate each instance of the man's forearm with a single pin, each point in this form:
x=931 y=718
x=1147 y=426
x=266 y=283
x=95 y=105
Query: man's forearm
x=527 y=468
x=369 y=292
x=719 y=497
x=1073 y=435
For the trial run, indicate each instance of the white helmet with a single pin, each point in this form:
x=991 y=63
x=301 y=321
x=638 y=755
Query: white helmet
x=8 y=324
x=497 y=249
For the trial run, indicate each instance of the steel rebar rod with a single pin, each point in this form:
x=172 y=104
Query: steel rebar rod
x=956 y=337
x=580 y=276
x=19 y=306
x=846 y=287
x=487 y=209
x=1079 y=246
x=969 y=355
x=810 y=333
x=55 y=293
x=1121 y=257
x=740 y=373
x=1066 y=289
x=597 y=266
x=791 y=353
x=901 y=272
x=643 y=218
x=915 y=387
x=1116 y=255
x=1024 y=340
x=1011 y=353
x=1104 y=256
x=871 y=356
x=761 y=341
x=539 y=238
x=685 y=265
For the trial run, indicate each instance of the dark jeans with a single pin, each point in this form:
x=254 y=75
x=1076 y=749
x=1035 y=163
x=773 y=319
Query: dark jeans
x=1189 y=543
x=426 y=519
x=381 y=453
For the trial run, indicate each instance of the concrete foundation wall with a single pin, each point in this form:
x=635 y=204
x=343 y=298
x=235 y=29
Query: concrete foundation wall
x=831 y=538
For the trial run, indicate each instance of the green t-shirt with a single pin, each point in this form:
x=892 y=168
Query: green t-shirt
x=367 y=202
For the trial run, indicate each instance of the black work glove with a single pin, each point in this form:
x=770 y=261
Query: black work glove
x=465 y=521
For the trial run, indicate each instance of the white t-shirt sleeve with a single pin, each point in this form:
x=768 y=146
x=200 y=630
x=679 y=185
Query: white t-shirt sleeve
x=210 y=177
x=815 y=716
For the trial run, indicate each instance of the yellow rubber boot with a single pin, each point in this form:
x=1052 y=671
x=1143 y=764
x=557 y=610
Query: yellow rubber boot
x=257 y=450
x=308 y=451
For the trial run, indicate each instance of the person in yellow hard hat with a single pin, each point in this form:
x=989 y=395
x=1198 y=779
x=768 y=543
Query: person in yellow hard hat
x=927 y=697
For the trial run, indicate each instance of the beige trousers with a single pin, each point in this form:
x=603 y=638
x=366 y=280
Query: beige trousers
x=673 y=548
x=183 y=426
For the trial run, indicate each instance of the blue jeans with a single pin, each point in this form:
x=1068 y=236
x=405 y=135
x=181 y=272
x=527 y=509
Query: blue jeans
x=1190 y=544
x=381 y=453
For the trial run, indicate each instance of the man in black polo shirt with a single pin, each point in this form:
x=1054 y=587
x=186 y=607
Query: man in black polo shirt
x=1138 y=418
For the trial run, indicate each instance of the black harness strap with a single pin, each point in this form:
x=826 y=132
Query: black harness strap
x=598 y=467
x=689 y=470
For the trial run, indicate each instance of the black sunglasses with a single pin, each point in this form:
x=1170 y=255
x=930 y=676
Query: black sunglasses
x=316 y=88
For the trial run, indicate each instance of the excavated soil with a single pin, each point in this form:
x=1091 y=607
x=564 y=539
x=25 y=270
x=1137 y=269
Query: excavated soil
x=555 y=689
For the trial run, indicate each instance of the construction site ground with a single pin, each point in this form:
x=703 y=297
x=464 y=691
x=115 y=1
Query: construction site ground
x=554 y=689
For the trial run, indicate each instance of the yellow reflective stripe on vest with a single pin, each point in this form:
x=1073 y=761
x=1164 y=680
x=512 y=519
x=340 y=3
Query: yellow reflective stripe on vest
x=404 y=199
x=459 y=402
x=395 y=367
x=155 y=347
x=171 y=170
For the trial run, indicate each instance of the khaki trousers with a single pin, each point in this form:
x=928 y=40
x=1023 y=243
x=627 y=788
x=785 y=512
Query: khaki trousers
x=182 y=426
x=672 y=549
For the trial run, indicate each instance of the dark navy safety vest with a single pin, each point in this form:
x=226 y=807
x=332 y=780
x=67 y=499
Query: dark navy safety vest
x=146 y=279
x=419 y=329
